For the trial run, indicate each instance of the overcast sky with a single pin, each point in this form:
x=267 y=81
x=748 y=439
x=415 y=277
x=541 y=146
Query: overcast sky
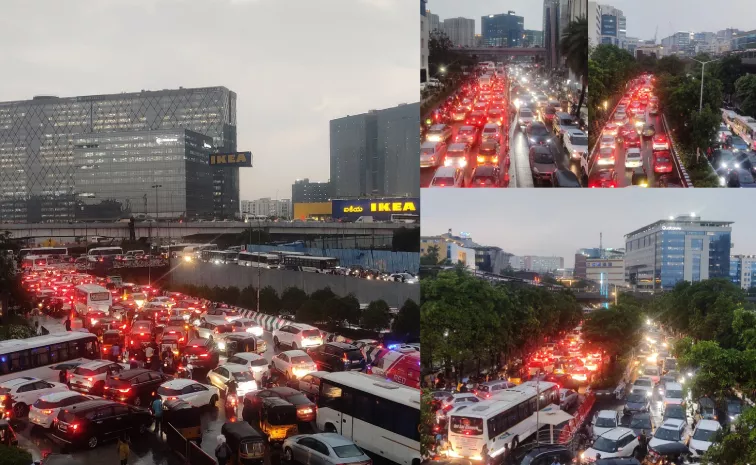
x=294 y=64
x=643 y=16
x=531 y=10
x=558 y=222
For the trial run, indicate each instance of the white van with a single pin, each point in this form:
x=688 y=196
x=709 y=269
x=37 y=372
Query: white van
x=673 y=394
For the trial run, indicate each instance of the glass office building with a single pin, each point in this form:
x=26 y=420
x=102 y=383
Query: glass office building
x=504 y=30
x=743 y=270
x=115 y=175
x=685 y=248
x=37 y=143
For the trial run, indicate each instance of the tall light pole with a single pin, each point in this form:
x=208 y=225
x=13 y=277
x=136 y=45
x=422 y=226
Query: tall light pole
x=149 y=255
x=703 y=65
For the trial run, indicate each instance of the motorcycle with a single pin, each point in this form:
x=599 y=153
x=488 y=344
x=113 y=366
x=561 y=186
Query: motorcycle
x=231 y=405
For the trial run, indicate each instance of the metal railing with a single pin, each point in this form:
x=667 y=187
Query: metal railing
x=682 y=173
x=189 y=451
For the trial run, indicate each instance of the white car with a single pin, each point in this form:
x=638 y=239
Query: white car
x=702 y=436
x=524 y=116
x=297 y=336
x=644 y=383
x=576 y=143
x=90 y=377
x=673 y=394
x=190 y=391
x=652 y=372
x=255 y=363
x=604 y=421
x=245 y=379
x=672 y=430
x=608 y=141
x=26 y=390
x=323 y=449
x=457 y=399
x=617 y=442
x=448 y=176
x=161 y=301
x=633 y=158
x=247 y=325
x=404 y=278
x=46 y=408
x=294 y=363
x=220 y=316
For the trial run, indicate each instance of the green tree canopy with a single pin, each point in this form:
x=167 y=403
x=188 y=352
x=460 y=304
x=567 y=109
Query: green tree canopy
x=745 y=92
x=377 y=316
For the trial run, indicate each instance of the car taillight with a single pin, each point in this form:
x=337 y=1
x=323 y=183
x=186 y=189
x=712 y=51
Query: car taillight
x=124 y=391
x=204 y=355
x=47 y=412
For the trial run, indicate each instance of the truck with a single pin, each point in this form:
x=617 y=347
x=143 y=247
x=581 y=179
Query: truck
x=364 y=219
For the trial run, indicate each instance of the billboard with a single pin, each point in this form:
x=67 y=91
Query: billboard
x=379 y=209
x=242 y=159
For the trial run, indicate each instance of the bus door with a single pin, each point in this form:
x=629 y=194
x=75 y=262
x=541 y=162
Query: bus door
x=347 y=410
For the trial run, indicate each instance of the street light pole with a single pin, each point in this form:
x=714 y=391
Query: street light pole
x=259 y=268
x=149 y=256
x=703 y=65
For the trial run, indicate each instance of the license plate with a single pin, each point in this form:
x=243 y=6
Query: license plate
x=63 y=427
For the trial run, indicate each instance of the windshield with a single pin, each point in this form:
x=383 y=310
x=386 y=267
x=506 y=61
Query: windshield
x=538 y=130
x=636 y=398
x=443 y=181
x=99 y=296
x=166 y=391
x=734 y=408
x=674 y=412
x=606 y=422
x=310 y=333
x=455 y=153
x=651 y=372
x=466 y=132
x=605 y=445
x=348 y=451
x=643 y=382
x=487 y=150
x=524 y=113
x=301 y=359
x=704 y=435
x=487 y=180
x=662 y=159
x=745 y=177
x=490 y=131
x=667 y=434
x=543 y=158
x=466 y=426
x=642 y=422
x=84 y=372
x=242 y=376
x=579 y=140
x=427 y=151
x=674 y=394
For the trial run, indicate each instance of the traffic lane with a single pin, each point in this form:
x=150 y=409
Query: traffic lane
x=519 y=168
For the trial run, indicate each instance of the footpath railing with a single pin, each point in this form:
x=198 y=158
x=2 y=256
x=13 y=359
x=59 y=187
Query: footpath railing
x=568 y=432
x=189 y=451
x=682 y=173
x=272 y=323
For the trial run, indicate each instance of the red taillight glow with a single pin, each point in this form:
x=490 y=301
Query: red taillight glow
x=204 y=355
x=47 y=412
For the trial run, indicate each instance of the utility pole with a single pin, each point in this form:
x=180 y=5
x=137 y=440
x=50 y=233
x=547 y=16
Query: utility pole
x=703 y=65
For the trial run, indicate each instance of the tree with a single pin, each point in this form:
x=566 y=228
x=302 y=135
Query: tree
x=745 y=92
x=406 y=240
x=377 y=316
x=728 y=70
x=671 y=65
x=311 y=312
x=427 y=422
x=335 y=311
x=247 y=298
x=353 y=309
x=574 y=47
x=737 y=447
x=323 y=295
x=293 y=298
x=269 y=302
x=12 y=455
x=431 y=257
x=408 y=320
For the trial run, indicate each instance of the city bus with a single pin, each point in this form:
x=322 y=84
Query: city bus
x=174 y=250
x=381 y=417
x=91 y=297
x=310 y=263
x=501 y=423
x=98 y=254
x=43 y=252
x=197 y=251
x=745 y=127
x=221 y=257
x=35 y=356
x=258 y=260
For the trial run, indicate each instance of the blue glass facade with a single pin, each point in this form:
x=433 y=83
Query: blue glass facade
x=502 y=30
x=609 y=25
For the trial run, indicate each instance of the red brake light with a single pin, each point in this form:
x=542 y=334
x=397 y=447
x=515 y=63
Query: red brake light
x=125 y=390
x=47 y=412
x=204 y=355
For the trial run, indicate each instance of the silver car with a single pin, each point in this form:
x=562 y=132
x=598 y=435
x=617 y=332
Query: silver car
x=323 y=449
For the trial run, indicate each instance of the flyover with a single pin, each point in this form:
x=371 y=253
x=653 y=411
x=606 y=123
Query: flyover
x=171 y=231
x=501 y=53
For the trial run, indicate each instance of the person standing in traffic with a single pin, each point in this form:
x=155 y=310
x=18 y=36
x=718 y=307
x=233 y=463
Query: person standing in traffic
x=123 y=450
x=68 y=323
x=643 y=440
x=148 y=352
x=116 y=352
x=222 y=450
x=157 y=412
x=63 y=376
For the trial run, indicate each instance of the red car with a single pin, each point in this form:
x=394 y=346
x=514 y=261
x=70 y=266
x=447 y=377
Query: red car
x=660 y=142
x=476 y=118
x=632 y=139
x=603 y=178
x=662 y=162
x=468 y=134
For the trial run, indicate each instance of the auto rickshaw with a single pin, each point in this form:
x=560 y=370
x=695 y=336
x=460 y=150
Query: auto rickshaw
x=185 y=418
x=244 y=342
x=110 y=338
x=278 y=418
x=170 y=342
x=7 y=435
x=706 y=409
x=246 y=443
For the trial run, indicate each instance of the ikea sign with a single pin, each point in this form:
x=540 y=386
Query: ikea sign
x=242 y=159
x=379 y=209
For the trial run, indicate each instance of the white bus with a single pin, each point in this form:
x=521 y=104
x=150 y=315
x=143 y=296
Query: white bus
x=43 y=252
x=91 y=297
x=196 y=251
x=258 y=260
x=745 y=127
x=501 y=423
x=381 y=417
x=35 y=356
x=174 y=250
x=98 y=254
x=221 y=257
x=34 y=263
x=309 y=263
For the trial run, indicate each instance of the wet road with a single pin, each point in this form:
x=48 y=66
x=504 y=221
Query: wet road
x=147 y=449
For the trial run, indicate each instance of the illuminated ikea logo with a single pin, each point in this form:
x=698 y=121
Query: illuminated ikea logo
x=231 y=159
x=393 y=207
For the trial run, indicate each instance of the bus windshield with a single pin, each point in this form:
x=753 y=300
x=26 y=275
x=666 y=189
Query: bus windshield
x=466 y=425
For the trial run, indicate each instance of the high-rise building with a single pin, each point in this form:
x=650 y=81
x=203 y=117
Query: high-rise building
x=532 y=38
x=304 y=191
x=594 y=24
x=375 y=154
x=502 y=30
x=583 y=255
x=650 y=50
x=683 y=248
x=631 y=44
x=491 y=259
x=434 y=23
x=424 y=38
x=536 y=263
x=37 y=168
x=613 y=25
x=743 y=40
x=606 y=271
x=551 y=32
x=280 y=208
x=461 y=31
x=743 y=270
x=162 y=173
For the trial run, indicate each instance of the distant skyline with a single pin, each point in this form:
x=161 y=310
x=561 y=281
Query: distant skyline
x=559 y=222
x=531 y=10
x=643 y=16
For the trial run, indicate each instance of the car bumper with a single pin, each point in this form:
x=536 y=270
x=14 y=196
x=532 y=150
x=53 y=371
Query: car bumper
x=38 y=418
x=631 y=164
x=81 y=387
x=659 y=147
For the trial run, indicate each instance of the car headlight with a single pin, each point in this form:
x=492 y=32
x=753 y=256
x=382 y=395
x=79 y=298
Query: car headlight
x=532 y=139
x=723 y=165
x=463 y=163
x=736 y=165
x=548 y=140
x=732 y=417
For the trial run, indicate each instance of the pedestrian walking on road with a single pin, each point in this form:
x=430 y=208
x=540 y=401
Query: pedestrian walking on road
x=157 y=412
x=36 y=328
x=116 y=352
x=123 y=450
x=148 y=354
x=222 y=451
x=68 y=323
x=63 y=376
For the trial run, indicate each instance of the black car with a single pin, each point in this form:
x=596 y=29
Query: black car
x=486 y=176
x=305 y=407
x=740 y=177
x=337 y=356
x=640 y=178
x=564 y=178
x=537 y=134
x=89 y=424
x=134 y=386
x=641 y=422
x=545 y=455
x=636 y=403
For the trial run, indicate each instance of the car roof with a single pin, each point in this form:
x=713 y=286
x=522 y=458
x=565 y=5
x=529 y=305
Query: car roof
x=128 y=374
x=96 y=364
x=332 y=439
x=248 y=355
x=18 y=381
x=294 y=353
x=607 y=414
x=457 y=146
x=179 y=383
x=486 y=170
x=672 y=423
x=438 y=127
x=616 y=433
x=575 y=132
x=342 y=345
x=540 y=149
x=58 y=396
x=234 y=367
x=430 y=145
x=491 y=125
x=445 y=171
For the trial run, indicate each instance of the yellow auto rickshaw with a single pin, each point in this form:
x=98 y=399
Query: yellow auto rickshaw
x=185 y=418
x=278 y=418
x=246 y=443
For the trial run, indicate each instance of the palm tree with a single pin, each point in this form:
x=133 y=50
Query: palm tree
x=574 y=47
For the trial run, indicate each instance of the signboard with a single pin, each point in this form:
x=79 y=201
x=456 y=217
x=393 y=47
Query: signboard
x=242 y=159
x=379 y=209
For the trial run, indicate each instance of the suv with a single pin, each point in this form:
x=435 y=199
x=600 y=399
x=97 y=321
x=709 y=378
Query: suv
x=489 y=388
x=297 y=335
x=134 y=386
x=337 y=356
x=548 y=454
x=448 y=176
x=96 y=421
x=440 y=132
x=26 y=390
x=576 y=143
x=617 y=442
x=90 y=377
x=201 y=352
